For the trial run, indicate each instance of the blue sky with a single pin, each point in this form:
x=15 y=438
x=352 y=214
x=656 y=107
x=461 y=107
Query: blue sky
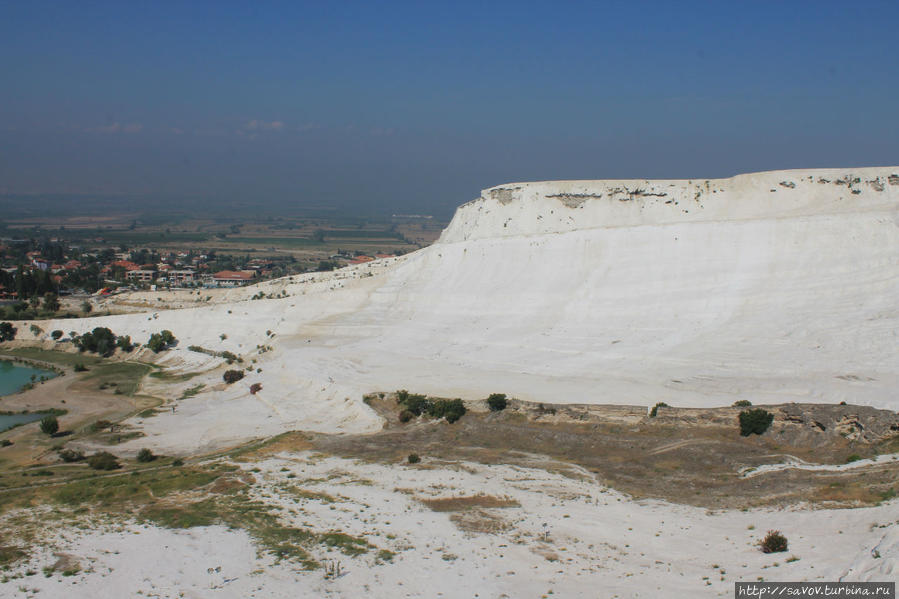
x=396 y=106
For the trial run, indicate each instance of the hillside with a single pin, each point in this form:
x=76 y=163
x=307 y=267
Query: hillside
x=772 y=287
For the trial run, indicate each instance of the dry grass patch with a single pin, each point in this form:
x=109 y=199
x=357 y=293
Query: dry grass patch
x=470 y=502
x=479 y=521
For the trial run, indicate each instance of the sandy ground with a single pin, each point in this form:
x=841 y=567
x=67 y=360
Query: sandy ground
x=564 y=536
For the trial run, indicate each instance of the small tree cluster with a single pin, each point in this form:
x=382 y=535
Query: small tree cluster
x=415 y=404
x=232 y=376
x=497 y=402
x=742 y=403
x=160 y=341
x=7 y=332
x=755 y=421
x=100 y=341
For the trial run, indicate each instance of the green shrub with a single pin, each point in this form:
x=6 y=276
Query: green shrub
x=853 y=458
x=80 y=367
x=49 y=425
x=451 y=409
x=497 y=402
x=232 y=376
x=145 y=455
x=57 y=335
x=414 y=402
x=655 y=409
x=70 y=455
x=413 y=458
x=7 y=332
x=406 y=416
x=755 y=421
x=124 y=343
x=742 y=403
x=774 y=542
x=160 y=341
x=177 y=462
x=103 y=461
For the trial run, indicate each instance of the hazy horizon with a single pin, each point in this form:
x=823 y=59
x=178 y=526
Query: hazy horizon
x=412 y=108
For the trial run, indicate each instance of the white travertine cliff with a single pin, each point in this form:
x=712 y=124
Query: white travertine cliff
x=771 y=287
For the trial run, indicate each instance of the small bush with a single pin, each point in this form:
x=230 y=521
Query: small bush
x=49 y=425
x=255 y=388
x=497 y=402
x=5 y=443
x=853 y=458
x=655 y=409
x=413 y=458
x=232 y=376
x=742 y=403
x=57 y=335
x=774 y=542
x=451 y=409
x=406 y=416
x=79 y=367
x=145 y=455
x=103 y=461
x=755 y=421
x=177 y=462
x=70 y=455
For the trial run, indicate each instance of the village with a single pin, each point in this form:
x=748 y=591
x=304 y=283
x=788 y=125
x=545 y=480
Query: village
x=35 y=274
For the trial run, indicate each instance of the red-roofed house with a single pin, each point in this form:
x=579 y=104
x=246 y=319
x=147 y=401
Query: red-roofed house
x=232 y=278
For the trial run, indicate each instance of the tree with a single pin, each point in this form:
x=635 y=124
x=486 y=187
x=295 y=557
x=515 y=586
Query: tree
x=755 y=421
x=51 y=302
x=49 y=425
x=57 y=335
x=86 y=307
x=7 y=332
x=160 y=341
x=497 y=402
x=123 y=342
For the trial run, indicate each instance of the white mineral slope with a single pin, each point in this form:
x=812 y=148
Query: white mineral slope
x=695 y=293
x=771 y=287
